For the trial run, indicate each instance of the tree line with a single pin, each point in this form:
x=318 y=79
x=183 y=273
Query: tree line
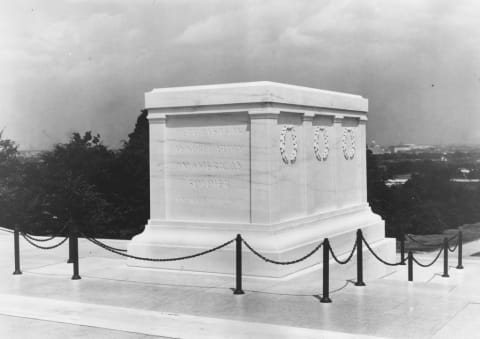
x=81 y=182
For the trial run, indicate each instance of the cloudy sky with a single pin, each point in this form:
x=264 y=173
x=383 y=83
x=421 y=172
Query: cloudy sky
x=77 y=65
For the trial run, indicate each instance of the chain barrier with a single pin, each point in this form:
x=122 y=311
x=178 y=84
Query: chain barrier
x=454 y=247
x=96 y=242
x=377 y=257
x=281 y=262
x=409 y=236
x=31 y=237
x=343 y=262
x=44 y=247
x=430 y=264
x=38 y=239
x=110 y=247
x=421 y=242
x=327 y=250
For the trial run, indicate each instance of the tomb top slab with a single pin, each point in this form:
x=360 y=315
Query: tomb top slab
x=252 y=93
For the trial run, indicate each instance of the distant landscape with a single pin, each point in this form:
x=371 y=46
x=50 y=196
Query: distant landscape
x=425 y=190
x=104 y=192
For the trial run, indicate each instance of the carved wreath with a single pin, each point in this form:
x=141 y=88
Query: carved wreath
x=283 y=150
x=321 y=156
x=348 y=152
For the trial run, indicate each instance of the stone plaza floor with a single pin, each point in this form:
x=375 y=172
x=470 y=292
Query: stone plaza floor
x=113 y=300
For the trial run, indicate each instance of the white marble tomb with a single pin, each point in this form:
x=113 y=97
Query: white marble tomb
x=283 y=165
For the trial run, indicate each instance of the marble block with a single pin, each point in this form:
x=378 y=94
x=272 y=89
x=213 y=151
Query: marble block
x=282 y=165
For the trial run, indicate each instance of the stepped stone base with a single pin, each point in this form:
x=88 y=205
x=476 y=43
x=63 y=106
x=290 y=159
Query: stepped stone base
x=283 y=242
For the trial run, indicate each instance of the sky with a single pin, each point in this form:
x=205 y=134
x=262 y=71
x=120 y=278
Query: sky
x=79 y=65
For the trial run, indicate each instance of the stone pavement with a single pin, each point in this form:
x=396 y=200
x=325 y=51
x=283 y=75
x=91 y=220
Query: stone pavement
x=116 y=301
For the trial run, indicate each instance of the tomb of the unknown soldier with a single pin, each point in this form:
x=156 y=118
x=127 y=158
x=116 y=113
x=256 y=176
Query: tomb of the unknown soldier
x=283 y=166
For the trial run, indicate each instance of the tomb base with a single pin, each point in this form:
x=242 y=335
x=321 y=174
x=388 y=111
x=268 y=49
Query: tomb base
x=282 y=242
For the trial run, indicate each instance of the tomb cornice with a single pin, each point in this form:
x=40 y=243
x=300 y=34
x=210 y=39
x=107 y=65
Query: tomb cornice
x=265 y=112
x=256 y=109
x=253 y=92
x=157 y=117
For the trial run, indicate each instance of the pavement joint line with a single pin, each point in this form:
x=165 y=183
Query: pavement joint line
x=341 y=288
x=433 y=277
x=282 y=294
x=453 y=288
x=46 y=265
x=53 y=275
x=68 y=323
x=128 y=281
x=446 y=322
x=389 y=274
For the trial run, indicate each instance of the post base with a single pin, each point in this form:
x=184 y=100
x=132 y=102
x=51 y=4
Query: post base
x=17 y=272
x=76 y=277
x=445 y=276
x=325 y=300
x=459 y=267
x=238 y=292
x=359 y=283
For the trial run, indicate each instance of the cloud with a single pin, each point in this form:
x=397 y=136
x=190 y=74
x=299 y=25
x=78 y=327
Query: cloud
x=209 y=30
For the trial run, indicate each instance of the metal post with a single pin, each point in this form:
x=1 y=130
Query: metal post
x=359 y=241
x=74 y=238
x=238 y=266
x=445 y=258
x=460 y=250
x=70 y=244
x=326 y=273
x=402 y=246
x=16 y=245
x=410 y=266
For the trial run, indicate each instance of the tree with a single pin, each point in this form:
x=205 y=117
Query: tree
x=9 y=182
x=71 y=181
x=131 y=173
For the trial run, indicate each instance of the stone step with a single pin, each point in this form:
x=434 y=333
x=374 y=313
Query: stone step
x=165 y=324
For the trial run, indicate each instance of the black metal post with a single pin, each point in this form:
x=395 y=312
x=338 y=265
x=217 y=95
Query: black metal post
x=410 y=266
x=445 y=258
x=74 y=238
x=70 y=244
x=16 y=245
x=238 y=265
x=326 y=272
x=359 y=241
x=402 y=246
x=460 y=250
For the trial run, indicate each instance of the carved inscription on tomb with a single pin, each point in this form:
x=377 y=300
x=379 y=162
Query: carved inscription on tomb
x=191 y=147
x=212 y=131
x=207 y=168
x=226 y=165
x=201 y=183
